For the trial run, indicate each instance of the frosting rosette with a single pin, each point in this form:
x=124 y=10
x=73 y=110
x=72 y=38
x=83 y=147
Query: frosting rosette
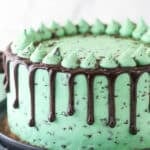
x=113 y=28
x=53 y=57
x=127 y=28
x=70 y=61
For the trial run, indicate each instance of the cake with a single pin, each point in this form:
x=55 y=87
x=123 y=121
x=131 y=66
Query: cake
x=80 y=86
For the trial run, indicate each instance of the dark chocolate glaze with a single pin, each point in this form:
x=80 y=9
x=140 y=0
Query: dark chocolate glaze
x=52 y=75
x=111 y=74
x=71 y=94
x=90 y=103
x=1 y=63
x=133 y=101
x=32 y=70
x=16 y=101
x=111 y=98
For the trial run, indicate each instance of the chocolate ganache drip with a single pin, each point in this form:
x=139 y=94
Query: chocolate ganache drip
x=52 y=75
x=1 y=62
x=134 y=76
x=32 y=70
x=111 y=75
x=16 y=101
x=71 y=94
x=90 y=103
x=111 y=98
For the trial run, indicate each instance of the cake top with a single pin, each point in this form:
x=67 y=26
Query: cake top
x=86 y=46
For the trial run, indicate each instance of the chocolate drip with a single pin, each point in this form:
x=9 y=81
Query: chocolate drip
x=90 y=103
x=32 y=95
x=111 y=74
x=6 y=71
x=71 y=95
x=16 y=101
x=52 y=75
x=1 y=62
x=111 y=100
x=133 y=101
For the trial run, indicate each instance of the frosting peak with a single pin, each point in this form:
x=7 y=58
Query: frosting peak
x=113 y=28
x=127 y=28
x=83 y=26
x=26 y=53
x=146 y=37
x=70 y=28
x=24 y=39
x=89 y=62
x=98 y=28
x=141 y=57
x=39 y=53
x=70 y=61
x=53 y=58
x=140 y=29
x=44 y=32
x=108 y=62
x=125 y=59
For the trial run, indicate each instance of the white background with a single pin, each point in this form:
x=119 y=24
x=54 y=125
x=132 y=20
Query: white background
x=18 y=14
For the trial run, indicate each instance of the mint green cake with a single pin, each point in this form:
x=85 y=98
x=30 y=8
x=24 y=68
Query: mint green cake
x=80 y=87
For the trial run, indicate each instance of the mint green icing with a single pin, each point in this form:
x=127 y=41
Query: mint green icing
x=127 y=28
x=83 y=26
x=141 y=57
x=54 y=26
x=70 y=61
x=113 y=28
x=73 y=131
x=57 y=29
x=70 y=28
x=125 y=59
x=146 y=37
x=108 y=62
x=39 y=53
x=26 y=53
x=60 y=32
x=100 y=46
x=53 y=58
x=98 y=28
x=140 y=29
x=89 y=62
x=44 y=32
x=24 y=39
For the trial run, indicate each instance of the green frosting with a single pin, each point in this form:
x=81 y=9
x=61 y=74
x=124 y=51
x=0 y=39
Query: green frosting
x=125 y=59
x=98 y=28
x=113 y=28
x=89 y=62
x=140 y=29
x=127 y=28
x=146 y=37
x=83 y=27
x=60 y=32
x=39 y=53
x=24 y=39
x=54 y=26
x=26 y=53
x=44 y=33
x=53 y=58
x=108 y=62
x=70 y=28
x=141 y=57
x=57 y=29
x=70 y=61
